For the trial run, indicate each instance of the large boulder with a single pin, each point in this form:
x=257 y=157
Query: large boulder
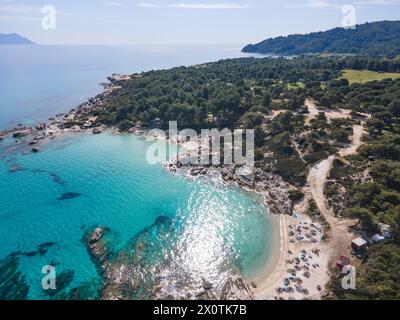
x=19 y=134
x=96 y=236
x=41 y=127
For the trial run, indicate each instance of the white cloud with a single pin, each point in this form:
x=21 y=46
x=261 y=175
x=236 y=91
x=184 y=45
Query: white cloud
x=331 y=4
x=184 y=5
x=210 y=6
x=312 y=4
x=113 y=4
x=379 y=2
x=10 y=11
x=318 y=4
x=18 y=9
x=19 y=18
x=149 y=5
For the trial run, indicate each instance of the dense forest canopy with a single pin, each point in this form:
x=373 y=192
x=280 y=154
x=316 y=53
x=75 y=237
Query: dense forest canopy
x=376 y=38
x=228 y=89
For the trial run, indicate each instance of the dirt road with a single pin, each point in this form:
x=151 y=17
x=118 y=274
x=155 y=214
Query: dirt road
x=339 y=236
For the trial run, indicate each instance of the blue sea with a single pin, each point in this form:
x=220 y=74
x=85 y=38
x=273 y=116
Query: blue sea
x=38 y=81
x=215 y=227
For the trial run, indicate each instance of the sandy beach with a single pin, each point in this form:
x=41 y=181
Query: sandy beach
x=302 y=270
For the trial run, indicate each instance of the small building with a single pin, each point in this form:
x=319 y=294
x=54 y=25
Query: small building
x=385 y=230
x=359 y=244
x=343 y=261
x=387 y=234
x=376 y=239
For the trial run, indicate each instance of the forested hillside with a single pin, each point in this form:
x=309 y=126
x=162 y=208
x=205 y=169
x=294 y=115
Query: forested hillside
x=377 y=38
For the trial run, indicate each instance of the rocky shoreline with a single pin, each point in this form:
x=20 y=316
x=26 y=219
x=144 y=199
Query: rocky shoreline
x=271 y=187
x=117 y=271
x=79 y=119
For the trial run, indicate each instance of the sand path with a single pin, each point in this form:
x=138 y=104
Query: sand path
x=339 y=236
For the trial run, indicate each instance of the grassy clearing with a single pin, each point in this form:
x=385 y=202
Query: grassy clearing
x=356 y=76
x=297 y=85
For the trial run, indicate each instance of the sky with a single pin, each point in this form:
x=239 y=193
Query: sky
x=181 y=22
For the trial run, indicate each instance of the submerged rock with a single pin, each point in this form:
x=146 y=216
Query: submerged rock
x=57 y=179
x=162 y=220
x=126 y=274
x=16 y=168
x=35 y=150
x=41 y=250
x=87 y=291
x=64 y=279
x=44 y=247
x=13 y=284
x=143 y=269
x=69 y=196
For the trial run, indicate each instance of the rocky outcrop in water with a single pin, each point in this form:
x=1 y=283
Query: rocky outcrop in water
x=272 y=187
x=124 y=275
x=98 y=250
x=41 y=126
x=21 y=132
x=144 y=270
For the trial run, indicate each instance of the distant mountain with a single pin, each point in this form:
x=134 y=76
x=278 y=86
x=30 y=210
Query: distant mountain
x=376 y=38
x=13 y=38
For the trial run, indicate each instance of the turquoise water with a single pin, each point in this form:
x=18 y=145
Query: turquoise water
x=214 y=228
x=214 y=225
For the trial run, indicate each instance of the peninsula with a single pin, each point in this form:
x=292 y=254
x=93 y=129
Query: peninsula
x=14 y=39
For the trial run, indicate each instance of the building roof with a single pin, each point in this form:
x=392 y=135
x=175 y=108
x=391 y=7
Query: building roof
x=386 y=234
x=359 y=242
x=377 y=238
